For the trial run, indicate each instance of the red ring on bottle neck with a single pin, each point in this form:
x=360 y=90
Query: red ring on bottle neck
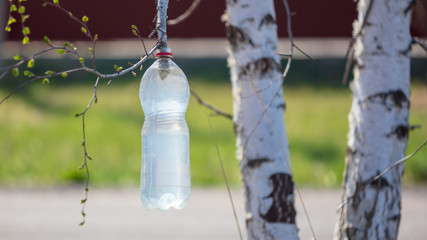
x=164 y=54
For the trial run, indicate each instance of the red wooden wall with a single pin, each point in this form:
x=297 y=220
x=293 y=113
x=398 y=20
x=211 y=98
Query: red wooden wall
x=112 y=19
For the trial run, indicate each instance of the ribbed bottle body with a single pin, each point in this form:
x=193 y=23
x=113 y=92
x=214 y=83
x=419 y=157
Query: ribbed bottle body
x=165 y=165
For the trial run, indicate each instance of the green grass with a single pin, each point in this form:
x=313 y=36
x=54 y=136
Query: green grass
x=40 y=138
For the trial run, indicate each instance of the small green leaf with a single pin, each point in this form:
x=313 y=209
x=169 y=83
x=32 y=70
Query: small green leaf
x=95 y=37
x=66 y=44
x=24 y=18
x=116 y=67
x=30 y=63
x=46 y=39
x=83 y=201
x=73 y=47
x=17 y=57
x=85 y=19
x=109 y=82
x=77 y=114
x=134 y=32
x=82 y=223
x=90 y=50
x=84 y=30
x=28 y=73
x=7 y=28
x=25 y=40
x=13 y=8
x=60 y=51
x=45 y=81
x=81 y=60
x=11 y=20
x=133 y=27
x=55 y=1
x=49 y=72
x=21 y=9
x=44 y=4
x=89 y=157
x=15 y=72
x=87 y=189
x=64 y=74
x=26 y=31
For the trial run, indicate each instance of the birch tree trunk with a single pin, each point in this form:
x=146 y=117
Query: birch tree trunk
x=378 y=122
x=258 y=119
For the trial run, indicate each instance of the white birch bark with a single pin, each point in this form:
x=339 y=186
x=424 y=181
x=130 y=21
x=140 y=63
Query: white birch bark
x=261 y=134
x=378 y=122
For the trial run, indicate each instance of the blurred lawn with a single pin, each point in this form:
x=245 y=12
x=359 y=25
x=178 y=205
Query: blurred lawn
x=40 y=138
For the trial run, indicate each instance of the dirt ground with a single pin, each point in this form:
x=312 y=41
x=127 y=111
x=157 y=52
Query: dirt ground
x=51 y=214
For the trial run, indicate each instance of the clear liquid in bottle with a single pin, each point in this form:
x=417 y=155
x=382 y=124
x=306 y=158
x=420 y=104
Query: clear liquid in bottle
x=165 y=165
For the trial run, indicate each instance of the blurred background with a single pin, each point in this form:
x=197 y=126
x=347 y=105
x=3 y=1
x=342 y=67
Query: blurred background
x=40 y=138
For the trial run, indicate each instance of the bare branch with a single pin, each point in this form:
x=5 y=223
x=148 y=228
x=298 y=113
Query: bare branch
x=304 y=53
x=350 y=51
x=348 y=64
x=209 y=106
x=225 y=179
x=162 y=6
x=86 y=69
x=37 y=78
x=386 y=171
x=291 y=38
x=186 y=14
x=420 y=42
x=398 y=162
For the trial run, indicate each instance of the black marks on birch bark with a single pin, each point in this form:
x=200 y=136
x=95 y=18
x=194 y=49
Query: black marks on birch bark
x=255 y=163
x=281 y=106
x=238 y=128
x=282 y=209
x=231 y=2
x=350 y=233
x=401 y=132
x=397 y=97
x=379 y=183
x=267 y=20
x=356 y=198
x=350 y=153
x=261 y=66
x=237 y=36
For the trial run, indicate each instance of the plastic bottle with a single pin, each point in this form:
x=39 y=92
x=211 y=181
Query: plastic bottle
x=165 y=165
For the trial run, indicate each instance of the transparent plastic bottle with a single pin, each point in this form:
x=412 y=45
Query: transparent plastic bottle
x=165 y=165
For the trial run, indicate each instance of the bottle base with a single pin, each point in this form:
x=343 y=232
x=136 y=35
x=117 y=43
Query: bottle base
x=165 y=198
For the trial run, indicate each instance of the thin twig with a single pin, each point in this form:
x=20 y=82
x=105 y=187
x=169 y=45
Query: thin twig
x=209 y=106
x=304 y=53
x=377 y=177
x=348 y=64
x=85 y=69
x=225 y=179
x=291 y=38
x=305 y=212
x=186 y=14
x=350 y=50
x=398 y=163
x=37 y=78
x=420 y=42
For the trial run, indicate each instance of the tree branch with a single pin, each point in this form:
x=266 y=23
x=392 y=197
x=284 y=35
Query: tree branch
x=420 y=42
x=350 y=51
x=209 y=106
x=186 y=14
x=398 y=163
